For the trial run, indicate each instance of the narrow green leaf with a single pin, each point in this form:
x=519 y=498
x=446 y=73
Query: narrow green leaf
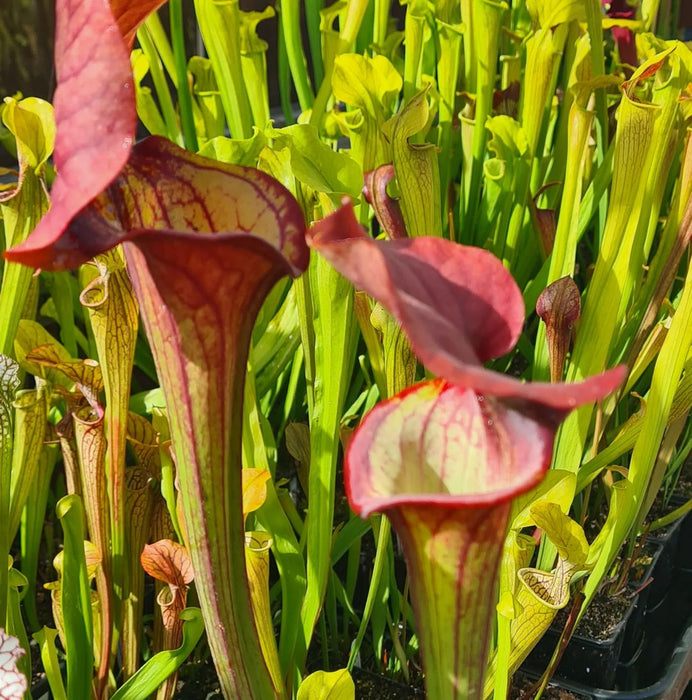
x=557 y=487
x=31 y=410
x=601 y=318
x=673 y=359
x=76 y=600
x=334 y=329
x=161 y=665
x=219 y=25
x=49 y=658
x=147 y=109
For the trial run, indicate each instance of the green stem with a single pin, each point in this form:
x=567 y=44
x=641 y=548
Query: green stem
x=352 y=20
x=312 y=20
x=595 y=29
x=414 y=39
x=219 y=24
x=380 y=22
x=163 y=46
x=20 y=215
x=381 y=557
x=290 y=25
x=184 y=97
x=160 y=84
x=332 y=323
x=284 y=78
x=61 y=293
x=489 y=15
x=76 y=599
x=671 y=517
x=15 y=287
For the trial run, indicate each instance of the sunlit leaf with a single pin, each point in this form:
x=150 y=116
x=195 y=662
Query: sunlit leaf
x=548 y=13
x=567 y=535
x=244 y=152
x=370 y=86
x=254 y=489
x=323 y=685
x=33 y=125
x=557 y=487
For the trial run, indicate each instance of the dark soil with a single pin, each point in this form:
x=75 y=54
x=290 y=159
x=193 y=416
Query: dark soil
x=658 y=510
x=683 y=487
x=372 y=686
x=524 y=689
x=196 y=680
x=601 y=617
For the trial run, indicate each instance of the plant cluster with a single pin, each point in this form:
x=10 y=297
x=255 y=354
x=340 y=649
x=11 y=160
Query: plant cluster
x=455 y=273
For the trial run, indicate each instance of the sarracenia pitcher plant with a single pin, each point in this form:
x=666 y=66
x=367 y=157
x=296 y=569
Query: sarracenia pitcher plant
x=444 y=459
x=204 y=244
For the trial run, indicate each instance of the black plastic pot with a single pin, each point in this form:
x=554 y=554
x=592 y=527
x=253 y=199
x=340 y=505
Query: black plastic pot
x=671 y=684
x=647 y=590
x=684 y=553
x=593 y=661
x=588 y=661
x=668 y=546
x=41 y=691
x=658 y=665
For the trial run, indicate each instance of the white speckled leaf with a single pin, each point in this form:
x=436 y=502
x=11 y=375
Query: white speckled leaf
x=13 y=684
